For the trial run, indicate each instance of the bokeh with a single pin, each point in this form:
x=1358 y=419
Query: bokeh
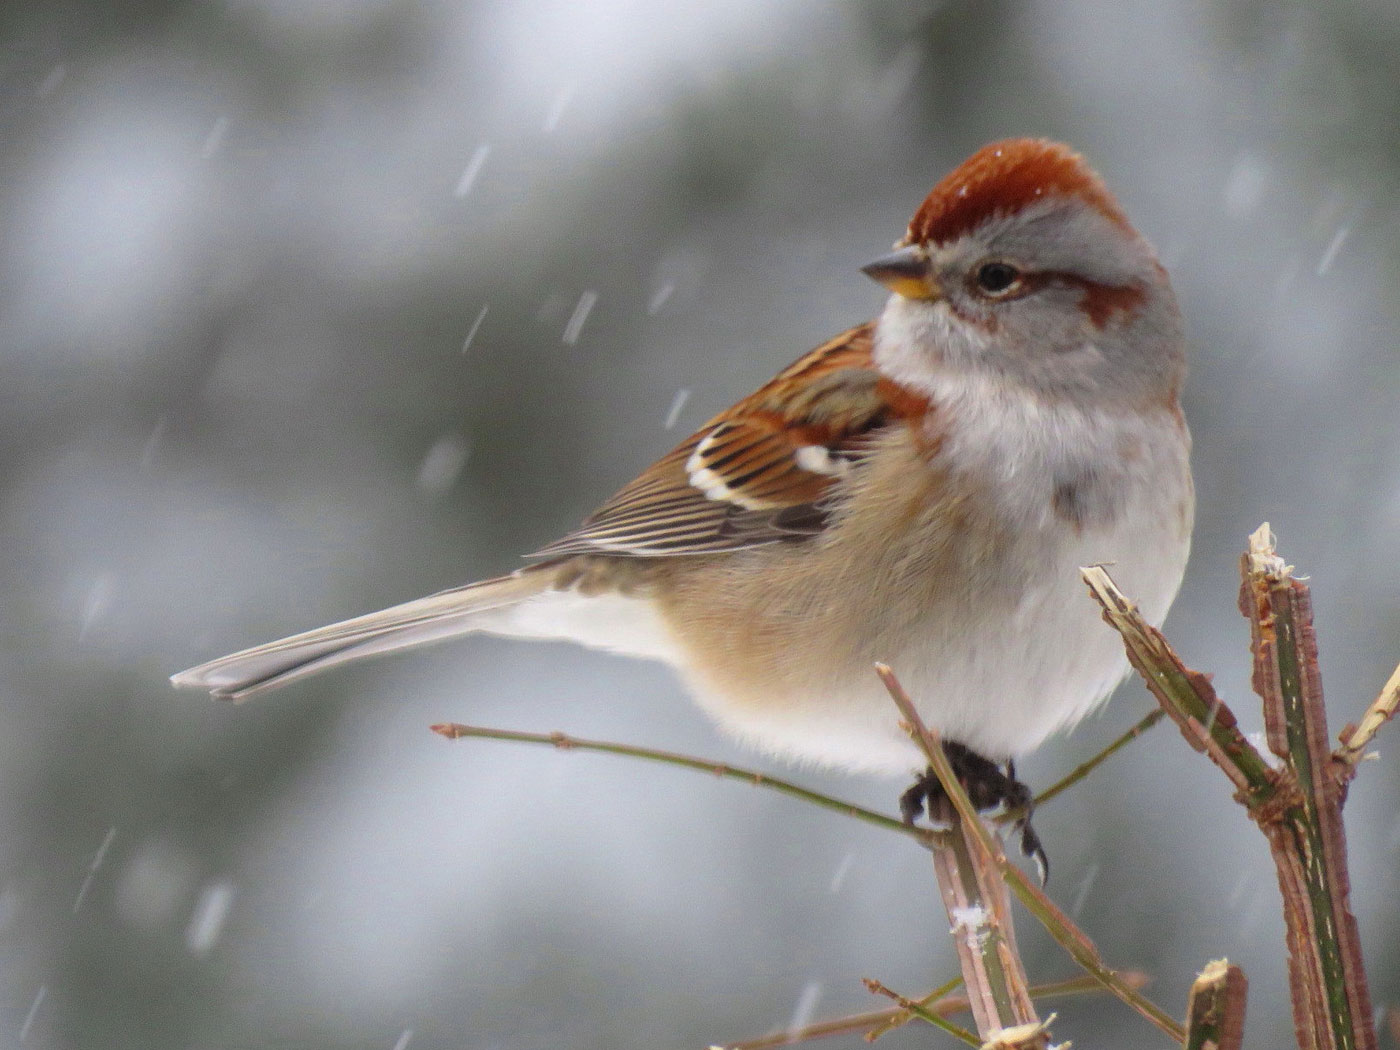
x=311 y=306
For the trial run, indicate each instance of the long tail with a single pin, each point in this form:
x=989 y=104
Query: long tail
x=245 y=674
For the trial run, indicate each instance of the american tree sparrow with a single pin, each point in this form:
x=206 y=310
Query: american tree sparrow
x=919 y=490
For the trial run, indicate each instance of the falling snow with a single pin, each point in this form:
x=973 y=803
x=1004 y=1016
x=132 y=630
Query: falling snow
x=1334 y=246
x=96 y=602
x=405 y=1037
x=838 y=877
x=1081 y=893
x=673 y=414
x=93 y=867
x=806 y=1006
x=659 y=298
x=210 y=913
x=39 y=998
x=579 y=317
x=443 y=464
x=472 y=170
x=471 y=332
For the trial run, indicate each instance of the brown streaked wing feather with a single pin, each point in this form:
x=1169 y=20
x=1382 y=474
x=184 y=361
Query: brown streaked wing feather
x=737 y=482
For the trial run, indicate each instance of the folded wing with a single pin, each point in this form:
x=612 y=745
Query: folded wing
x=762 y=472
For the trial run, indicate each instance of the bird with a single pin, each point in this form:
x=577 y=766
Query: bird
x=920 y=490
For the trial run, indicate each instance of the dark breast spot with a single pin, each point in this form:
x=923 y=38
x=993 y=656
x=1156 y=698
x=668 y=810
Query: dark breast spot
x=1069 y=504
x=1085 y=498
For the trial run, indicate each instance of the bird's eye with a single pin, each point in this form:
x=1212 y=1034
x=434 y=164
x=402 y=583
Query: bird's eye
x=997 y=278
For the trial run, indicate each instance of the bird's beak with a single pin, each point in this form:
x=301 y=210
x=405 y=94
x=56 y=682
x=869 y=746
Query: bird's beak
x=907 y=272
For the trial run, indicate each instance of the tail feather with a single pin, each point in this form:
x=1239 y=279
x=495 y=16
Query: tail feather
x=262 y=668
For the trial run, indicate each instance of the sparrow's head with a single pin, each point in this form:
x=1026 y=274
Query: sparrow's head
x=1021 y=264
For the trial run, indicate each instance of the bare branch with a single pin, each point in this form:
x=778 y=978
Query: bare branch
x=1331 y=1002
x=875 y=1023
x=1297 y=808
x=1186 y=695
x=1215 y=1010
x=1059 y=925
x=1356 y=738
x=923 y=1013
x=974 y=895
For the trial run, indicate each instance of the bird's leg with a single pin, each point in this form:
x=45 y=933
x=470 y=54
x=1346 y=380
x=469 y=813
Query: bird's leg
x=988 y=785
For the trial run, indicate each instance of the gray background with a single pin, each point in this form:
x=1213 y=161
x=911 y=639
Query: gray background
x=242 y=244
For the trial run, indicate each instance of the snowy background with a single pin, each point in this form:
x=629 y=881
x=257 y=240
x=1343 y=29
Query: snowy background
x=311 y=306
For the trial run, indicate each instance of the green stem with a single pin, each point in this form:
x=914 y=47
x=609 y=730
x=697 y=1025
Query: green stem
x=1082 y=770
x=455 y=731
x=924 y=1013
x=1187 y=695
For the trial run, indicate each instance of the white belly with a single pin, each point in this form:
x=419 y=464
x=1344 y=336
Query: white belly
x=1003 y=685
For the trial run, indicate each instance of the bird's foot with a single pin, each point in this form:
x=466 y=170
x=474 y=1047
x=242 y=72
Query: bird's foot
x=989 y=786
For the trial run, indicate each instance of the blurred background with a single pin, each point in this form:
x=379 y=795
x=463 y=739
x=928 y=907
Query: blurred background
x=312 y=306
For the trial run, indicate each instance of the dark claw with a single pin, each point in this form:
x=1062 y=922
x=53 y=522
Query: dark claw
x=989 y=787
x=1031 y=847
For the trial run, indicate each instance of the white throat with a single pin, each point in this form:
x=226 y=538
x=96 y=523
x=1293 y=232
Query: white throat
x=916 y=340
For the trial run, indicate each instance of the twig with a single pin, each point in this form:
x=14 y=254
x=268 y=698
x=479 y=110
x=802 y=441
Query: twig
x=456 y=731
x=1382 y=710
x=1186 y=695
x=946 y=1005
x=974 y=894
x=1215 y=1010
x=941 y=1001
x=1082 y=770
x=1059 y=925
x=848 y=1025
x=564 y=742
x=875 y=1023
x=923 y=1013
x=1126 y=989
x=1331 y=1002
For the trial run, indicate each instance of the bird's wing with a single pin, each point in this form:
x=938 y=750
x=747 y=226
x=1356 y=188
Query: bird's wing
x=763 y=471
